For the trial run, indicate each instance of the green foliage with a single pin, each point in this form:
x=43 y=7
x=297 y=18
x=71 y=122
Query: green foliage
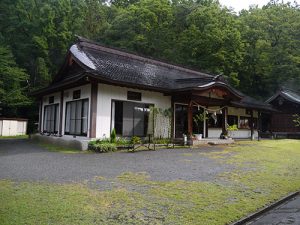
x=135 y=140
x=163 y=141
x=122 y=141
x=233 y=127
x=102 y=146
x=257 y=50
x=113 y=136
x=296 y=120
x=259 y=173
x=12 y=81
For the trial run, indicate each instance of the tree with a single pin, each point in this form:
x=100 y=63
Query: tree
x=12 y=83
x=143 y=27
x=212 y=41
x=271 y=54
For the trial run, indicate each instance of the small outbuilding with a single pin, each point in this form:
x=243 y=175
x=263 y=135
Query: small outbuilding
x=13 y=126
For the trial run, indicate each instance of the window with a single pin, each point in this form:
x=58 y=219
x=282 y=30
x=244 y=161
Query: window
x=130 y=118
x=51 y=99
x=244 y=122
x=232 y=120
x=134 y=96
x=76 y=94
x=50 y=124
x=77 y=117
x=215 y=120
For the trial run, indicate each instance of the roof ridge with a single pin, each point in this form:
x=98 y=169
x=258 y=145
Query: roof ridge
x=122 y=52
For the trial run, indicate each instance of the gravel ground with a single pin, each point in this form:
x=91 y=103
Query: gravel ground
x=22 y=160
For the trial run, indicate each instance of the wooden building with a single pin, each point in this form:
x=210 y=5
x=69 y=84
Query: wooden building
x=99 y=88
x=287 y=104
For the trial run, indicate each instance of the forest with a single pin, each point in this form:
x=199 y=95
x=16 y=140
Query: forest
x=257 y=50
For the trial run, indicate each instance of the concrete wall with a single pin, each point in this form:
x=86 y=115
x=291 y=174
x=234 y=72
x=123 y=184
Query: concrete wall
x=107 y=93
x=13 y=127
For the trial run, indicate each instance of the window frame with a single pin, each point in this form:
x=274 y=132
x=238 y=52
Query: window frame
x=81 y=119
x=243 y=118
x=56 y=110
x=112 y=121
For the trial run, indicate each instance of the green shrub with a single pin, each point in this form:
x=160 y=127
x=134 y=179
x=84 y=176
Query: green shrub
x=113 y=136
x=136 y=140
x=102 y=146
x=122 y=141
x=162 y=141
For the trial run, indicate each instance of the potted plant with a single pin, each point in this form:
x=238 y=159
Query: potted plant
x=230 y=129
x=198 y=119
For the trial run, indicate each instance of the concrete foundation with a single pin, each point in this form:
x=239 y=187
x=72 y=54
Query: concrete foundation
x=80 y=143
x=209 y=141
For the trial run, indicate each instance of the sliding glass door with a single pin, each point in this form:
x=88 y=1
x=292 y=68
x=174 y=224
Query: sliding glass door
x=77 y=117
x=50 y=124
x=130 y=118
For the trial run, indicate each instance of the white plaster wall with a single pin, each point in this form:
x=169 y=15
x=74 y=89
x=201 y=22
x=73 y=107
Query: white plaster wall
x=68 y=96
x=107 y=93
x=10 y=128
x=214 y=132
x=21 y=127
x=241 y=133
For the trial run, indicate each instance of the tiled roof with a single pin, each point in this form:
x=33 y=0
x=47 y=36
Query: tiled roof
x=286 y=94
x=120 y=66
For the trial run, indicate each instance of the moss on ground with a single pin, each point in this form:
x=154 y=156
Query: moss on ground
x=264 y=171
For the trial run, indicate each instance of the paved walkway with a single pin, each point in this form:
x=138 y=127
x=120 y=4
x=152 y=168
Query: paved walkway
x=23 y=160
x=287 y=213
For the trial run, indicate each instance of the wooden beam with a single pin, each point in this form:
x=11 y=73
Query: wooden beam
x=93 y=113
x=61 y=104
x=41 y=116
x=259 y=125
x=173 y=119
x=251 y=124
x=224 y=119
x=190 y=118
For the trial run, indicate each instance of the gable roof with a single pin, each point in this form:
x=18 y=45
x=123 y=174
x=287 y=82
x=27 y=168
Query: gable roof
x=114 y=65
x=287 y=94
x=119 y=67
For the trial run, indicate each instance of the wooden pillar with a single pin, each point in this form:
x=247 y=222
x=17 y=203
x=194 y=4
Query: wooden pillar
x=258 y=125
x=61 y=104
x=93 y=113
x=206 y=125
x=224 y=120
x=190 y=118
x=251 y=124
x=173 y=119
x=41 y=116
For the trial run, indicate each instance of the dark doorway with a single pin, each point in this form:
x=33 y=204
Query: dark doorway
x=181 y=120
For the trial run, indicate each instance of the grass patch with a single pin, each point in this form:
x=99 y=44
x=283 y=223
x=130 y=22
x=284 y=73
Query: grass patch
x=264 y=171
x=60 y=149
x=15 y=137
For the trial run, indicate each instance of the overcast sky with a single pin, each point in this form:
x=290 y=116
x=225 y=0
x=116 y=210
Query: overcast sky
x=238 y=5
